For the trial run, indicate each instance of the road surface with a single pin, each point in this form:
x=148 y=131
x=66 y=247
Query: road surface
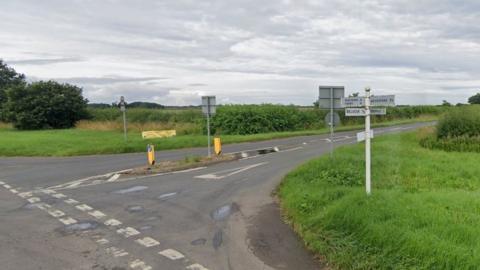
x=220 y=217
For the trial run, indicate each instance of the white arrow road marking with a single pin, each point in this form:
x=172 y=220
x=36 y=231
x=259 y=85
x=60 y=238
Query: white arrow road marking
x=172 y=254
x=229 y=172
x=147 y=242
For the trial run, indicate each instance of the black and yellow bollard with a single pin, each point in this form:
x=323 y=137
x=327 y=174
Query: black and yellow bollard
x=217 y=146
x=151 y=154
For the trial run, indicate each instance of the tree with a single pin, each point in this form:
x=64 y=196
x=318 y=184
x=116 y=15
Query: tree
x=43 y=105
x=8 y=78
x=356 y=94
x=145 y=105
x=474 y=99
x=446 y=103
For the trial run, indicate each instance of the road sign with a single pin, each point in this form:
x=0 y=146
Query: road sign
x=375 y=101
x=330 y=97
x=209 y=105
x=383 y=101
x=209 y=109
x=352 y=102
x=336 y=119
x=361 y=111
x=361 y=136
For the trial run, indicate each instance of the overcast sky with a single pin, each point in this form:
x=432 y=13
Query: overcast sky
x=174 y=51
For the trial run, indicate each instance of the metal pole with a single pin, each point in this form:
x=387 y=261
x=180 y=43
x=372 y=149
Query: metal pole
x=331 y=122
x=124 y=126
x=208 y=127
x=367 y=142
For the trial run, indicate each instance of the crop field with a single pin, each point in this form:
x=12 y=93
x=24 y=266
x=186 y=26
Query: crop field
x=424 y=211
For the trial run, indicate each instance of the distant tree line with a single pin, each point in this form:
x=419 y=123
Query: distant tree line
x=136 y=104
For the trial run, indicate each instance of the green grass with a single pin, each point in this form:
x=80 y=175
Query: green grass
x=424 y=211
x=71 y=142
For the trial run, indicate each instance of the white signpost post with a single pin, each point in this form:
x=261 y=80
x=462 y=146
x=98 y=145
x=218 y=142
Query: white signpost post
x=209 y=109
x=123 y=108
x=353 y=107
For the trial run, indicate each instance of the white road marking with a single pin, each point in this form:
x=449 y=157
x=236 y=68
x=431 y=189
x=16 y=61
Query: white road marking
x=33 y=200
x=7 y=186
x=84 y=207
x=147 y=242
x=196 y=267
x=2 y=183
x=26 y=194
x=114 y=177
x=103 y=241
x=172 y=254
x=43 y=206
x=56 y=213
x=59 y=195
x=97 y=214
x=71 y=201
x=112 y=222
x=116 y=252
x=229 y=172
x=14 y=191
x=67 y=220
x=292 y=149
x=48 y=191
x=137 y=264
x=128 y=231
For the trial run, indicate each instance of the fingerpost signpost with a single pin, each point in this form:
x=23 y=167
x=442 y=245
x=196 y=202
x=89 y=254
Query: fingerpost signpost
x=123 y=107
x=361 y=106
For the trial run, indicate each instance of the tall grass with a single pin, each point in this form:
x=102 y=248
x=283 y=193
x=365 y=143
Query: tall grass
x=424 y=211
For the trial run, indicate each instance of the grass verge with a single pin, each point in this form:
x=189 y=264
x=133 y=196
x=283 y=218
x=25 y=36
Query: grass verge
x=424 y=211
x=72 y=142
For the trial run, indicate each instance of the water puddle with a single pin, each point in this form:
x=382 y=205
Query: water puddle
x=130 y=189
x=166 y=196
x=224 y=212
x=134 y=208
x=217 y=239
x=198 y=242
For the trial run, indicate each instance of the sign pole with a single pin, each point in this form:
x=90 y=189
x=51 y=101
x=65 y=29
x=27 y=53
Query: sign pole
x=208 y=130
x=124 y=126
x=331 y=122
x=367 y=142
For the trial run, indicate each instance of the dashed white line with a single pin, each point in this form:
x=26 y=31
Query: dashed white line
x=7 y=186
x=84 y=207
x=33 y=200
x=128 y=231
x=114 y=177
x=147 y=242
x=67 y=220
x=196 y=267
x=43 y=206
x=71 y=201
x=138 y=264
x=116 y=252
x=59 y=195
x=48 y=191
x=2 y=183
x=14 y=191
x=172 y=254
x=103 y=241
x=26 y=194
x=97 y=214
x=112 y=222
x=56 y=213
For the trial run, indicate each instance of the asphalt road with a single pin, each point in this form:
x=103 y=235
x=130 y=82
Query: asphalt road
x=220 y=217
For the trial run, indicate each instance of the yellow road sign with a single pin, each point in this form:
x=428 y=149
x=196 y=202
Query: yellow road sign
x=217 y=146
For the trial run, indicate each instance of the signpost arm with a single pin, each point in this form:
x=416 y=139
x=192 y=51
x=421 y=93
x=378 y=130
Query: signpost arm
x=367 y=142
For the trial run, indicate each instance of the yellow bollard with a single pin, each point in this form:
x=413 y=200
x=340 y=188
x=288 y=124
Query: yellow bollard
x=217 y=146
x=151 y=154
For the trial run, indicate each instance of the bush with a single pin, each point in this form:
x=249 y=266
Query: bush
x=460 y=121
x=44 y=105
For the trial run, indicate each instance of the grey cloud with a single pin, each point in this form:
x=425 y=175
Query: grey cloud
x=45 y=61
x=107 y=80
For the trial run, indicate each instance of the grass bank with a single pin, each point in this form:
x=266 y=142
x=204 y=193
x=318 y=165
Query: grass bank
x=71 y=142
x=424 y=211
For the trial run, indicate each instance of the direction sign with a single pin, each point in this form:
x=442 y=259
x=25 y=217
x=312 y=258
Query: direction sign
x=361 y=111
x=352 y=102
x=375 y=101
x=388 y=100
x=330 y=96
